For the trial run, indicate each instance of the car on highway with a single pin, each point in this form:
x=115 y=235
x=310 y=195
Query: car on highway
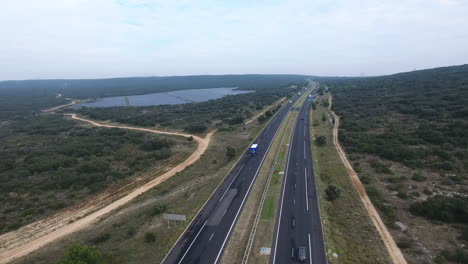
x=301 y=254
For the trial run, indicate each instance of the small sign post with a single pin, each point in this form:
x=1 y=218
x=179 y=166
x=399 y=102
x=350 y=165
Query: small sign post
x=174 y=217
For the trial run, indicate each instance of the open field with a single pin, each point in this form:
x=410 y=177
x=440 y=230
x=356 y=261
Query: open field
x=349 y=232
x=50 y=163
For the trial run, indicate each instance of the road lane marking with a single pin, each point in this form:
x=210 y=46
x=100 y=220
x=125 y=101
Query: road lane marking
x=192 y=242
x=231 y=182
x=211 y=237
x=307 y=195
x=305 y=151
x=282 y=195
x=310 y=251
x=285 y=111
x=248 y=190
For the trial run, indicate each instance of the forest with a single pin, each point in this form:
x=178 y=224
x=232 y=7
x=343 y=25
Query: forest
x=419 y=118
x=407 y=137
x=48 y=162
x=20 y=98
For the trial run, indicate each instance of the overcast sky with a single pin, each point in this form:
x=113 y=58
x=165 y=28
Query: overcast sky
x=109 y=38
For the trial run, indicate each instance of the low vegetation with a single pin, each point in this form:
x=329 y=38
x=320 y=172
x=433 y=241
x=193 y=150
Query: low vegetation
x=82 y=254
x=49 y=162
x=407 y=138
x=443 y=208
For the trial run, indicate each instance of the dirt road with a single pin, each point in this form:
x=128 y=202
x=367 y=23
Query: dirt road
x=61 y=106
x=36 y=235
x=393 y=250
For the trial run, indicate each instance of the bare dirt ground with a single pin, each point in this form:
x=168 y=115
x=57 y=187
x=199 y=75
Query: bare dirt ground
x=34 y=236
x=393 y=250
x=72 y=102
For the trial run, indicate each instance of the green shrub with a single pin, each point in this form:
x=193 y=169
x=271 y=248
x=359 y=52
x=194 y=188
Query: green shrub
x=381 y=168
x=459 y=255
x=442 y=208
x=196 y=128
x=332 y=192
x=396 y=179
x=230 y=152
x=427 y=192
x=158 y=208
x=404 y=243
x=418 y=177
x=320 y=140
x=402 y=195
x=81 y=254
x=366 y=179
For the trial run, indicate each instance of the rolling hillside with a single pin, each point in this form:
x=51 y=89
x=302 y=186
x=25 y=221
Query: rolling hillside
x=407 y=135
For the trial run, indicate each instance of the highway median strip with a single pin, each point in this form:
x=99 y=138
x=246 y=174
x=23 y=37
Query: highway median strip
x=258 y=217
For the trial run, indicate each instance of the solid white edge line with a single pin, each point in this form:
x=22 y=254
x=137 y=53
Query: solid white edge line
x=219 y=184
x=307 y=195
x=284 y=187
x=305 y=155
x=310 y=251
x=247 y=194
x=192 y=242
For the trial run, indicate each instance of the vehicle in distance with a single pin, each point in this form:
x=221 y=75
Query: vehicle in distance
x=253 y=149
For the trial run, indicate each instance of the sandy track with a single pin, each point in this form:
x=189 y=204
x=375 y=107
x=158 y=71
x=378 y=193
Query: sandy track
x=29 y=238
x=61 y=106
x=393 y=250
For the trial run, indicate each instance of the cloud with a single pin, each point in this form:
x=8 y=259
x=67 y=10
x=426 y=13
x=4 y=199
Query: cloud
x=84 y=38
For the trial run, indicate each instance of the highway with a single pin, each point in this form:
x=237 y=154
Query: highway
x=298 y=221
x=205 y=239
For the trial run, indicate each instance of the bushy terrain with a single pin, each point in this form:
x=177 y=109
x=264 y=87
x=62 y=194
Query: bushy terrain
x=407 y=135
x=48 y=162
x=19 y=98
x=137 y=231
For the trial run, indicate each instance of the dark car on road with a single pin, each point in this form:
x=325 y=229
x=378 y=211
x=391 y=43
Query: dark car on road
x=301 y=254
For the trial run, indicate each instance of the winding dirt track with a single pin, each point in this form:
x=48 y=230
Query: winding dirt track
x=393 y=250
x=36 y=235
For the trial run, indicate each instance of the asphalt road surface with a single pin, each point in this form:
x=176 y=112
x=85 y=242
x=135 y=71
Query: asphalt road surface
x=299 y=223
x=205 y=239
